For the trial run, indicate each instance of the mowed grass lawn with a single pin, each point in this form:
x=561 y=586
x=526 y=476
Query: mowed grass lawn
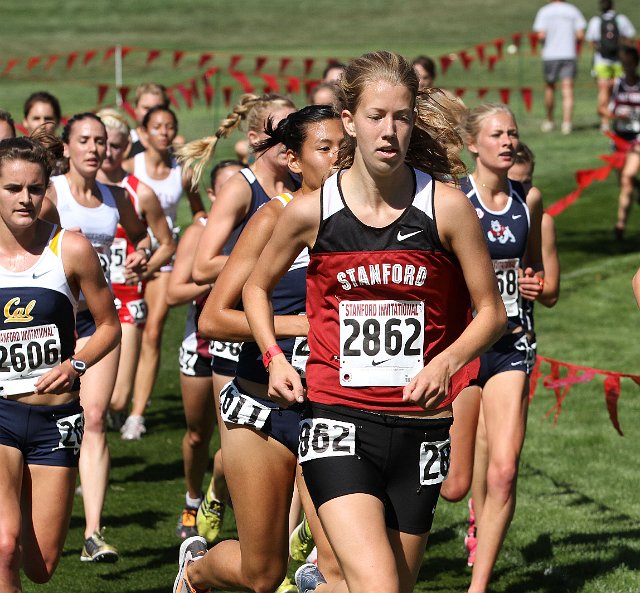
x=577 y=526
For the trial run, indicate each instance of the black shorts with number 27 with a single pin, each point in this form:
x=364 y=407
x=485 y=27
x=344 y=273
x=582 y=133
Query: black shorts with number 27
x=401 y=461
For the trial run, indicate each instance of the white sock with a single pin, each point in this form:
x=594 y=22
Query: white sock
x=192 y=503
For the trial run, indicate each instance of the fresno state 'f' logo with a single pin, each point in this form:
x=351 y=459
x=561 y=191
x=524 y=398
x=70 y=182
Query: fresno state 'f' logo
x=15 y=314
x=500 y=233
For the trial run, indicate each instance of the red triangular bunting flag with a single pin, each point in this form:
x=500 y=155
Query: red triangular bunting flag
x=193 y=87
x=88 y=56
x=260 y=62
x=125 y=51
x=480 y=51
x=308 y=65
x=482 y=91
x=460 y=92
x=208 y=92
x=309 y=85
x=11 y=64
x=103 y=89
x=153 y=55
x=491 y=62
x=498 y=44
x=559 y=206
x=71 y=58
x=177 y=57
x=211 y=71
x=172 y=98
x=241 y=77
x=109 y=53
x=123 y=91
x=533 y=381
x=504 y=95
x=186 y=95
x=612 y=394
x=33 y=62
x=51 y=60
x=233 y=62
x=21 y=129
x=293 y=85
x=129 y=109
x=271 y=83
x=284 y=62
x=204 y=58
x=533 y=42
x=227 y=91
x=516 y=38
x=445 y=62
x=465 y=58
x=527 y=98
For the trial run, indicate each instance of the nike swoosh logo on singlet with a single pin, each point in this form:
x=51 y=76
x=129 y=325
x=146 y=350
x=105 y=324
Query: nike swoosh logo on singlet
x=36 y=276
x=402 y=237
x=516 y=216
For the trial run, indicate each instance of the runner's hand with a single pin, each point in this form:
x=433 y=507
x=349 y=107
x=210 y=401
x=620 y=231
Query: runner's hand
x=285 y=385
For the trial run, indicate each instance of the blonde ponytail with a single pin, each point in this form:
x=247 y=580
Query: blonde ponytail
x=253 y=108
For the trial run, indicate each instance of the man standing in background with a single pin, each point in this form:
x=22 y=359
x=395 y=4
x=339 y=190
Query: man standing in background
x=607 y=33
x=560 y=25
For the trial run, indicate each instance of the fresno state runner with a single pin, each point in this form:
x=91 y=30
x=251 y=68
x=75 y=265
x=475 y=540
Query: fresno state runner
x=382 y=234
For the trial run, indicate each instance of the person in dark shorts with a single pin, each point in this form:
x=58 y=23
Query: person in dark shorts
x=43 y=269
x=388 y=302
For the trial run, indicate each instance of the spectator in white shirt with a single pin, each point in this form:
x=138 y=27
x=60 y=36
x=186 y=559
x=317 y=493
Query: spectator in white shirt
x=560 y=25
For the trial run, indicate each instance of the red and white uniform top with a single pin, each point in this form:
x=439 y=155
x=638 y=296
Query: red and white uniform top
x=381 y=303
x=122 y=247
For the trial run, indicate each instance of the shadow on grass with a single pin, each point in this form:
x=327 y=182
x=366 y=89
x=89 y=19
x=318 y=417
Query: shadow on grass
x=153 y=472
x=145 y=519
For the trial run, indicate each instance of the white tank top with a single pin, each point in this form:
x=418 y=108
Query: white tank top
x=168 y=189
x=97 y=224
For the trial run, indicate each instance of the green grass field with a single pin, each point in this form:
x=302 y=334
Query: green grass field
x=577 y=527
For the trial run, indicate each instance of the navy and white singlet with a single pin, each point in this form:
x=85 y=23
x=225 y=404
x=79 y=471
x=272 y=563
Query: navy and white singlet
x=37 y=330
x=506 y=233
x=288 y=298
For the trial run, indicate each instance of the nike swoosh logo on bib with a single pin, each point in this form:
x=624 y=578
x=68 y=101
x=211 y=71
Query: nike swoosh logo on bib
x=36 y=276
x=402 y=237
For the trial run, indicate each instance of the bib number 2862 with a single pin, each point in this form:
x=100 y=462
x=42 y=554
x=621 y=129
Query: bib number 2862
x=381 y=342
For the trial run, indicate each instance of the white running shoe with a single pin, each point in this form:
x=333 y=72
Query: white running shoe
x=133 y=428
x=308 y=577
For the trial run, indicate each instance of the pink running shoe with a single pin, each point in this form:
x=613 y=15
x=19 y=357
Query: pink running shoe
x=470 y=541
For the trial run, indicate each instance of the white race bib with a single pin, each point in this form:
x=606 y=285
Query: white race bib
x=71 y=429
x=507 y=275
x=187 y=360
x=118 y=258
x=137 y=310
x=104 y=255
x=321 y=437
x=226 y=350
x=381 y=342
x=26 y=354
x=300 y=355
x=240 y=408
x=435 y=458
